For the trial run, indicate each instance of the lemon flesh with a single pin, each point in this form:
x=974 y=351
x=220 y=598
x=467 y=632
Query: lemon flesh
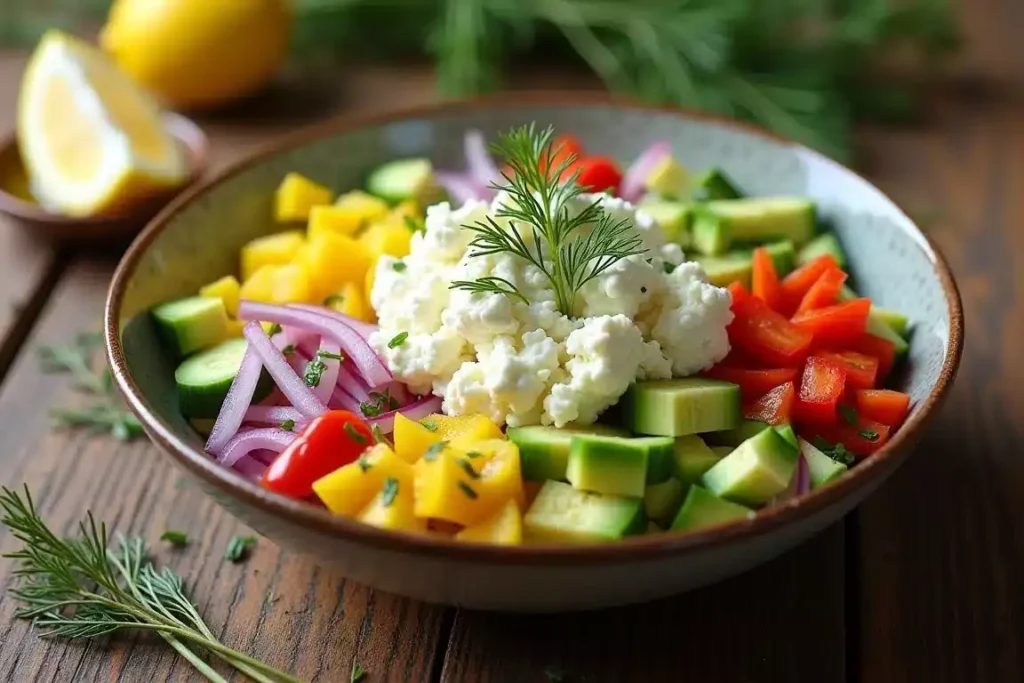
x=90 y=139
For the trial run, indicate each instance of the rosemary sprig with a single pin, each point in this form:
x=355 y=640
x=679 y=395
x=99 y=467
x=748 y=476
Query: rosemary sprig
x=81 y=588
x=569 y=247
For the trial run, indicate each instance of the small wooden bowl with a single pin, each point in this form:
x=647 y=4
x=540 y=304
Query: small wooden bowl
x=16 y=199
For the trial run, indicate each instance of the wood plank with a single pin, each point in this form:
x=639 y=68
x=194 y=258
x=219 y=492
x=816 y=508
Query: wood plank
x=942 y=545
x=277 y=606
x=782 y=622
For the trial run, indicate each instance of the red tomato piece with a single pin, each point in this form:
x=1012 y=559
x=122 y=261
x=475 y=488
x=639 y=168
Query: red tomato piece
x=882 y=349
x=797 y=283
x=765 y=281
x=332 y=440
x=774 y=407
x=562 y=147
x=824 y=291
x=738 y=293
x=840 y=323
x=821 y=386
x=861 y=439
x=753 y=383
x=884 y=405
x=861 y=370
x=766 y=335
x=598 y=174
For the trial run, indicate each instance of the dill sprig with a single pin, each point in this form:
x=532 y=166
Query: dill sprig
x=81 y=588
x=569 y=247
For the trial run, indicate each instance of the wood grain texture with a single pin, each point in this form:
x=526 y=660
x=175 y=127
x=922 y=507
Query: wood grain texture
x=277 y=605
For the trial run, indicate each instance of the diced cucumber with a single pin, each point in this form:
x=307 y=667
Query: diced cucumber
x=672 y=217
x=821 y=468
x=739 y=264
x=669 y=178
x=563 y=514
x=759 y=469
x=715 y=184
x=677 y=407
x=734 y=437
x=203 y=379
x=660 y=451
x=189 y=325
x=607 y=464
x=825 y=243
x=894 y=319
x=717 y=224
x=401 y=179
x=544 y=451
x=879 y=328
x=692 y=458
x=662 y=501
x=787 y=433
x=703 y=509
x=897 y=322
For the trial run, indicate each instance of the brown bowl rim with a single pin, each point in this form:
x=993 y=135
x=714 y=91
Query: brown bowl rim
x=645 y=547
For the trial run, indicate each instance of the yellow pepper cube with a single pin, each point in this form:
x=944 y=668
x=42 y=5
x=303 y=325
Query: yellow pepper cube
x=350 y=302
x=290 y=284
x=331 y=219
x=357 y=201
x=503 y=528
x=392 y=508
x=387 y=237
x=332 y=260
x=296 y=195
x=462 y=430
x=349 y=489
x=408 y=208
x=501 y=477
x=444 y=489
x=260 y=285
x=412 y=439
x=227 y=289
x=272 y=250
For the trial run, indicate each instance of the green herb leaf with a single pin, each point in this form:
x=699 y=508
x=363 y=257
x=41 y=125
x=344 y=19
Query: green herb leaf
x=378 y=435
x=389 y=492
x=468 y=468
x=434 y=450
x=238 y=548
x=288 y=350
x=274 y=329
x=314 y=372
x=380 y=402
x=288 y=425
x=848 y=413
x=429 y=425
x=176 y=538
x=398 y=340
x=354 y=433
x=869 y=434
x=358 y=674
x=334 y=299
x=330 y=355
x=667 y=267
x=364 y=464
x=837 y=452
x=470 y=493
x=398 y=266
x=414 y=226
x=473 y=455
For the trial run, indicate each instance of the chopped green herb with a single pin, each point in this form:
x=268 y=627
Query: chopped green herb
x=413 y=224
x=837 y=452
x=429 y=425
x=398 y=266
x=869 y=434
x=274 y=329
x=465 y=465
x=334 y=299
x=330 y=355
x=378 y=403
x=288 y=425
x=378 y=435
x=238 y=548
x=389 y=492
x=354 y=433
x=398 y=340
x=848 y=413
x=667 y=267
x=288 y=350
x=176 y=538
x=470 y=493
x=364 y=464
x=358 y=674
x=314 y=372
x=473 y=455
x=435 y=449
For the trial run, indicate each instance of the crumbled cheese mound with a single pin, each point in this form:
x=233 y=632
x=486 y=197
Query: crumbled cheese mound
x=649 y=316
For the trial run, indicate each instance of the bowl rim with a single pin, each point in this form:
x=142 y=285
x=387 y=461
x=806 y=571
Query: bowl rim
x=632 y=549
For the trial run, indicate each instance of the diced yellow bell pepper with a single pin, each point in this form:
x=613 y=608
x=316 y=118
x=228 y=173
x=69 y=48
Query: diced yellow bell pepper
x=332 y=260
x=324 y=219
x=501 y=475
x=408 y=208
x=350 y=301
x=466 y=488
x=234 y=328
x=272 y=250
x=392 y=508
x=359 y=202
x=463 y=430
x=290 y=284
x=227 y=290
x=349 y=489
x=296 y=195
x=260 y=285
x=387 y=237
x=503 y=528
x=412 y=439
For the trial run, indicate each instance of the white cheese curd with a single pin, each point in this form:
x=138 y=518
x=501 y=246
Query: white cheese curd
x=525 y=362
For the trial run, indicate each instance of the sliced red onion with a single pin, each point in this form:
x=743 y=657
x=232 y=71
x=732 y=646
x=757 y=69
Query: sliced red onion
x=370 y=366
x=364 y=328
x=400 y=393
x=274 y=415
x=479 y=164
x=237 y=400
x=797 y=484
x=459 y=186
x=342 y=399
x=803 y=476
x=329 y=377
x=250 y=467
x=264 y=455
x=632 y=185
x=294 y=389
x=352 y=384
x=414 y=411
x=269 y=438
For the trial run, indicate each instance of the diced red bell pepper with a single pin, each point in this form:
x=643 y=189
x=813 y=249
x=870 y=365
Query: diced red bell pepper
x=839 y=323
x=884 y=405
x=766 y=335
x=562 y=147
x=598 y=174
x=774 y=407
x=876 y=347
x=738 y=293
x=824 y=291
x=797 y=283
x=330 y=441
x=765 y=281
x=753 y=383
x=861 y=439
x=821 y=386
x=861 y=370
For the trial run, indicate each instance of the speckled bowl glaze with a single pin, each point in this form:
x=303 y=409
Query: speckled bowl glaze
x=197 y=238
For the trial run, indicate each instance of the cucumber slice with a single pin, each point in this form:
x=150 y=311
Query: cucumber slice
x=662 y=501
x=761 y=467
x=203 y=380
x=703 y=508
x=402 y=179
x=825 y=243
x=718 y=224
x=544 y=451
x=897 y=322
x=692 y=458
x=563 y=514
x=677 y=407
x=821 y=468
x=739 y=264
x=189 y=325
x=715 y=184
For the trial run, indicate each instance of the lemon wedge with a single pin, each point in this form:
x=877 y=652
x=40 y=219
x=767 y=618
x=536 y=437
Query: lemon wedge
x=90 y=139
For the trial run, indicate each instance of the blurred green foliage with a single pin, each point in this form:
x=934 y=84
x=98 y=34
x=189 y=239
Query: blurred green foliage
x=804 y=68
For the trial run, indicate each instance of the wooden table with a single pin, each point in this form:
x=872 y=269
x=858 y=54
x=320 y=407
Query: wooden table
x=921 y=583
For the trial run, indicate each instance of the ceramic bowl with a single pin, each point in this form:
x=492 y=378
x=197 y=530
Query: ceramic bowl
x=196 y=240
x=17 y=203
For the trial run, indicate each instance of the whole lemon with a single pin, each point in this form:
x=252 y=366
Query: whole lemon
x=198 y=53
